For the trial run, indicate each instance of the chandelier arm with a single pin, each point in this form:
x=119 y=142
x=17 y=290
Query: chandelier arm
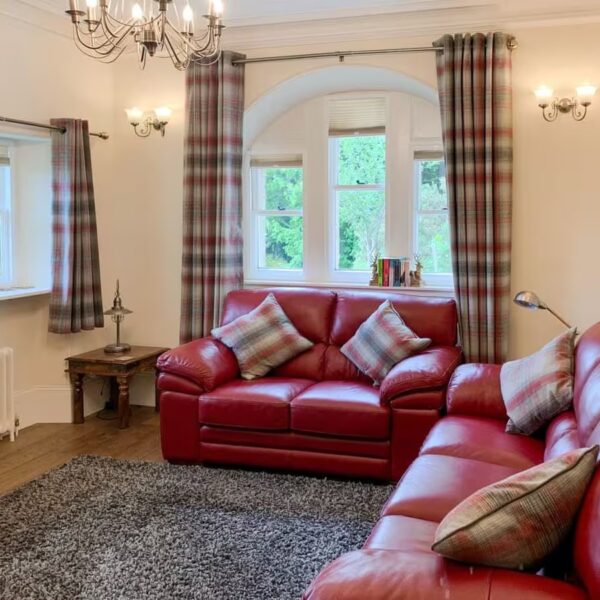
x=178 y=62
x=98 y=51
x=107 y=27
x=192 y=47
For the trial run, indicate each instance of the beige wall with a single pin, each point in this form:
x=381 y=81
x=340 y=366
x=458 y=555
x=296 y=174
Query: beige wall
x=139 y=183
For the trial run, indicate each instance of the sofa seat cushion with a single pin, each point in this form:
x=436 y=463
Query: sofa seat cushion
x=435 y=484
x=260 y=404
x=341 y=408
x=485 y=440
x=396 y=532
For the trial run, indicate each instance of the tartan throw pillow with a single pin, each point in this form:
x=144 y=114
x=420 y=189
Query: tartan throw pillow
x=538 y=387
x=516 y=522
x=263 y=339
x=381 y=342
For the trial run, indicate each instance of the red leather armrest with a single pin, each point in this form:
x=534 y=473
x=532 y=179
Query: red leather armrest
x=401 y=575
x=207 y=362
x=428 y=370
x=475 y=390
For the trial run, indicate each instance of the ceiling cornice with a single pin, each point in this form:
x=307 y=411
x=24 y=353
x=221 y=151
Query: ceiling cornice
x=418 y=19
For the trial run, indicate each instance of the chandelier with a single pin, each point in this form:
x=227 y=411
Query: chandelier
x=156 y=28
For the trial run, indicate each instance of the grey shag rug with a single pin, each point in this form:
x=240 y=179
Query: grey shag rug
x=104 y=529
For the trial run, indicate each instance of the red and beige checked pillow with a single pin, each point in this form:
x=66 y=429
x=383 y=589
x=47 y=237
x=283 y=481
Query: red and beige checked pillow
x=381 y=342
x=538 y=387
x=262 y=339
x=517 y=522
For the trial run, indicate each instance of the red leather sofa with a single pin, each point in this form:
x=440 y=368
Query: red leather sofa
x=465 y=451
x=317 y=412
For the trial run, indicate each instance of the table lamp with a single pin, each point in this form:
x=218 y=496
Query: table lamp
x=531 y=300
x=117 y=313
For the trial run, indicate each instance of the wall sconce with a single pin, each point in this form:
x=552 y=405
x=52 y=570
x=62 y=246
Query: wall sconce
x=552 y=106
x=143 y=123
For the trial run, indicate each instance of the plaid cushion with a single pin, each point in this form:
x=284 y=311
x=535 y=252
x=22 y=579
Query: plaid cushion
x=263 y=339
x=381 y=342
x=516 y=522
x=538 y=387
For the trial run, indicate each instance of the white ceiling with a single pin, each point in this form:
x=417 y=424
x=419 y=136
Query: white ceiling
x=260 y=12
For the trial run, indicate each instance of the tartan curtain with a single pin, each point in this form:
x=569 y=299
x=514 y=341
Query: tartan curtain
x=212 y=262
x=76 y=300
x=474 y=80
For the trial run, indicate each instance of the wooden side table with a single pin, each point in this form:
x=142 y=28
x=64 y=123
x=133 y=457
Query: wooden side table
x=120 y=368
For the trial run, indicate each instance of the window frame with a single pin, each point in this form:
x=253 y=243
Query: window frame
x=8 y=223
x=443 y=280
x=256 y=242
x=335 y=274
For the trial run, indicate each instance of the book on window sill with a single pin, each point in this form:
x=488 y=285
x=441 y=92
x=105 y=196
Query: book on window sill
x=393 y=272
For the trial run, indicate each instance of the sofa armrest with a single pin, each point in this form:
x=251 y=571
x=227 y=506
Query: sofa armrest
x=206 y=362
x=399 y=575
x=428 y=370
x=474 y=390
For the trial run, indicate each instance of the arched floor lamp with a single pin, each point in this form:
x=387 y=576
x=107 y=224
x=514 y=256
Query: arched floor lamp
x=531 y=300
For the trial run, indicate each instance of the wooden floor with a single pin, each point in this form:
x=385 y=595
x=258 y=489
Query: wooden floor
x=42 y=447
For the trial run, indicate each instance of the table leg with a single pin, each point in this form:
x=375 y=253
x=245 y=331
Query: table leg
x=113 y=401
x=77 y=396
x=156 y=391
x=124 y=411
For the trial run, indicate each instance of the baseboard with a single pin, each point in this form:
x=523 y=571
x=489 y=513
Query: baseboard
x=52 y=404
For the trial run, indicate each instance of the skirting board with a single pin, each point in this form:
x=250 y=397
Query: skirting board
x=52 y=404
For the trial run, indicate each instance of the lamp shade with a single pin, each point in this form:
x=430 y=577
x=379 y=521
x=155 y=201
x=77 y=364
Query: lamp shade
x=530 y=300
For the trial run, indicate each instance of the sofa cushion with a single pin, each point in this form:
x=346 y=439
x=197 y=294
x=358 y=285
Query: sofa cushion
x=381 y=342
x=561 y=435
x=517 y=522
x=433 y=318
x=341 y=408
x=435 y=484
x=538 y=387
x=396 y=532
x=263 y=339
x=260 y=404
x=483 y=439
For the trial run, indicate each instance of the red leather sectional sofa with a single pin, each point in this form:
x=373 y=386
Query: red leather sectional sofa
x=466 y=450
x=316 y=413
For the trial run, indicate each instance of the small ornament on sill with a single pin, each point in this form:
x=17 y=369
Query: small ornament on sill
x=416 y=276
x=375 y=270
x=117 y=312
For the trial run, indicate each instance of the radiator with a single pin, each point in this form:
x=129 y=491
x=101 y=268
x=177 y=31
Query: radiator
x=7 y=396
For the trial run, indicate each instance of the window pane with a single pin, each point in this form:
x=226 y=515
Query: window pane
x=360 y=235
x=281 y=242
x=279 y=188
x=361 y=160
x=432 y=185
x=433 y=243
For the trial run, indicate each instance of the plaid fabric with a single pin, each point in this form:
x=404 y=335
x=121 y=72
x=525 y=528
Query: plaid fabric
x=76 y=300
x=381 y=342
x=263 y=339
x=212 y=207
x=475 y=89
x=538 y=387
x=517 y=522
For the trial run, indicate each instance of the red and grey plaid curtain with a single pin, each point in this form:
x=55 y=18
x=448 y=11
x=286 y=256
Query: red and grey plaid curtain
x=212 y=206
x=76 y=300
x=474 y=80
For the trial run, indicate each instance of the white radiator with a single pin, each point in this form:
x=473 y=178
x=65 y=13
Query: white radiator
x=7 y=396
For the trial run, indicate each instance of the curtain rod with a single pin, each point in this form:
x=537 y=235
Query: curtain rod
x=337 y=54
x=512 y=45
x=102 y=134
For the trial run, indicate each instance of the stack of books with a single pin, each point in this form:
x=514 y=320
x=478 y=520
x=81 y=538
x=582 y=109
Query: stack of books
x=393 y=272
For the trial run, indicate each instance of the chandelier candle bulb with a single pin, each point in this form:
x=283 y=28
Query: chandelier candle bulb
x=137 y=13
x=216 y=8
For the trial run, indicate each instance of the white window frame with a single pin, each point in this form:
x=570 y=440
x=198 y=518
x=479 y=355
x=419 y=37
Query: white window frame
x=7 y=218
x=255 y=237
x=444 y=280
x=337 y=275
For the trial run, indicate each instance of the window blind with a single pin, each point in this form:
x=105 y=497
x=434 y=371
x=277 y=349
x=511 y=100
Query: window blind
x=429 y=155
x=357 y=116
x=282 y=162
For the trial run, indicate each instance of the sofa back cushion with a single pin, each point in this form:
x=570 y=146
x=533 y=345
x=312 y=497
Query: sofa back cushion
x=433 y=318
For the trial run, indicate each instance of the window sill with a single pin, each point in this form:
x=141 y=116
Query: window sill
x=22 y=292
x=443 y=292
